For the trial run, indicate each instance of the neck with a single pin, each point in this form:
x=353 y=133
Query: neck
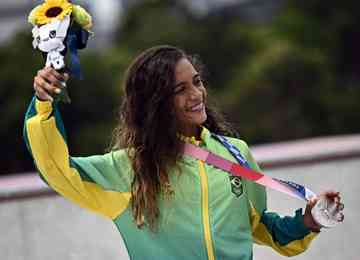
x=191 y=131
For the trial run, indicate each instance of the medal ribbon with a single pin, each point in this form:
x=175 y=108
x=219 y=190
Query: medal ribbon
x=76 y=39
x=243 y=169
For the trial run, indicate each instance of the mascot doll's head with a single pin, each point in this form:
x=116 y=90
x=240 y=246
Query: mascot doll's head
x=50 y=39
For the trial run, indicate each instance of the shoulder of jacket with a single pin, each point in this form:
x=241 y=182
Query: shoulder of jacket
x=120 y=154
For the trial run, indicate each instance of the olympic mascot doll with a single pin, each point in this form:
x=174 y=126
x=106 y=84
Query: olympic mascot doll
x=60 y=27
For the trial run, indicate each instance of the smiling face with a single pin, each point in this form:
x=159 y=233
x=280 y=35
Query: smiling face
x=189 y=98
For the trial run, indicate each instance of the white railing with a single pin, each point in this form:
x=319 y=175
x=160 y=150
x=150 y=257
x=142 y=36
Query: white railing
x=269 y=156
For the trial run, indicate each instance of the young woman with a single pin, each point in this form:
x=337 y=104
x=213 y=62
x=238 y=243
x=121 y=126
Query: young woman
x=166 y=205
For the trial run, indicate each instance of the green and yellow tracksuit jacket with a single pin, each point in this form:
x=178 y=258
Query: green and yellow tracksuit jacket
x=210 y=216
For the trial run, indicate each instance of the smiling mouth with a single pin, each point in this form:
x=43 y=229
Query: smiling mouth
x=196 y=108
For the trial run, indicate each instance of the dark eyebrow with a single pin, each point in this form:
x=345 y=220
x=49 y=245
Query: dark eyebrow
x=197 y=75
x=179 y=84
x=182 y=83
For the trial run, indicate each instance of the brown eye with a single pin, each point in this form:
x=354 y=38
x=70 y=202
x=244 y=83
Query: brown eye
x=198 y=82
x=179 y=90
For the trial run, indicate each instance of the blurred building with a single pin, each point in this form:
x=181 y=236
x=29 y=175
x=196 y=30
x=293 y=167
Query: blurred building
x=107 y=14
x=13 y=17
x=255 y=11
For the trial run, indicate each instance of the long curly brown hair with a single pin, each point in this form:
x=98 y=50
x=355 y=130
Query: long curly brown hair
x=148 y=127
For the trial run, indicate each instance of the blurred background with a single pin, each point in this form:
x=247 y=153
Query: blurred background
x=280 y=70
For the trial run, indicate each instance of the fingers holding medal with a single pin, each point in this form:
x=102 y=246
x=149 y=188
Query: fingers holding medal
x=328 y=209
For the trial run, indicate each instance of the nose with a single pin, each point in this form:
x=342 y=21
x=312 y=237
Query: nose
x=195 y=93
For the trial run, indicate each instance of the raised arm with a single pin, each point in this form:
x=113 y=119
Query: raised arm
x=99 y=183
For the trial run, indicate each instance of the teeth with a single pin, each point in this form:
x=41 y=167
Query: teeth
x=197 y=107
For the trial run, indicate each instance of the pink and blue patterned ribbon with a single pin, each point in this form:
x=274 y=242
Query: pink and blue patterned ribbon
x=243 y=170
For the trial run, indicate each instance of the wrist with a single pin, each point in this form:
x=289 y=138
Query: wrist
x=310 y=223
x=39 y=98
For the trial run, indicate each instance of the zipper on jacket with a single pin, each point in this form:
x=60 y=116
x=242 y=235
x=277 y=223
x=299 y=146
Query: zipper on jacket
x=205 y=211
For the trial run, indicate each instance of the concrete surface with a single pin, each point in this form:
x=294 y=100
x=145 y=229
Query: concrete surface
x=340 y=242
x=53 y=229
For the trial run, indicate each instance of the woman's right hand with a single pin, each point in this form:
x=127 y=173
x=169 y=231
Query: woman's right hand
x=48 y=83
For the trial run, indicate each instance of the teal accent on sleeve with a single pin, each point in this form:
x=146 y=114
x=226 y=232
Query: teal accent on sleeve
x=103 y=170
x=80 y=170
x=59 y=122
x=287 y=229
x=31 y=111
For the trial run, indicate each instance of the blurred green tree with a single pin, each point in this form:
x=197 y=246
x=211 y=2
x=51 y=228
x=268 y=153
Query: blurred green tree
x=296 y=76
x=18 y=65
x=282 y=80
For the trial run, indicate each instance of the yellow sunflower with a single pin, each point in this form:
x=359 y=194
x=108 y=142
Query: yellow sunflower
x=49 y=10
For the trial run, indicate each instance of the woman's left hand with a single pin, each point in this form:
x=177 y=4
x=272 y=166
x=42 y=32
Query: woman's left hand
x=309 y=221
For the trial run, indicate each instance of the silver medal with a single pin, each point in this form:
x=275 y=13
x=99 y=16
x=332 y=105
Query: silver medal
x=326 y=213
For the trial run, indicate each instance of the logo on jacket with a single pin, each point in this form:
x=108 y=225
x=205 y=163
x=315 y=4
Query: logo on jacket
x=236 y=186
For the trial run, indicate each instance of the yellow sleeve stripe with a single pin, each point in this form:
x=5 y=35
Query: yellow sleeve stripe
x=52 y=159
x=262 y=236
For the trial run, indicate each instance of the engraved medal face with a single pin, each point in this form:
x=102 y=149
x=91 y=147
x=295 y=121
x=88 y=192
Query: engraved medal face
x=236 y=186
x=325 y=213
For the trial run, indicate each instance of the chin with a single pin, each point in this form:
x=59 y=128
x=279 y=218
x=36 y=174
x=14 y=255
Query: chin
x=196 y=120
x=201 y=120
